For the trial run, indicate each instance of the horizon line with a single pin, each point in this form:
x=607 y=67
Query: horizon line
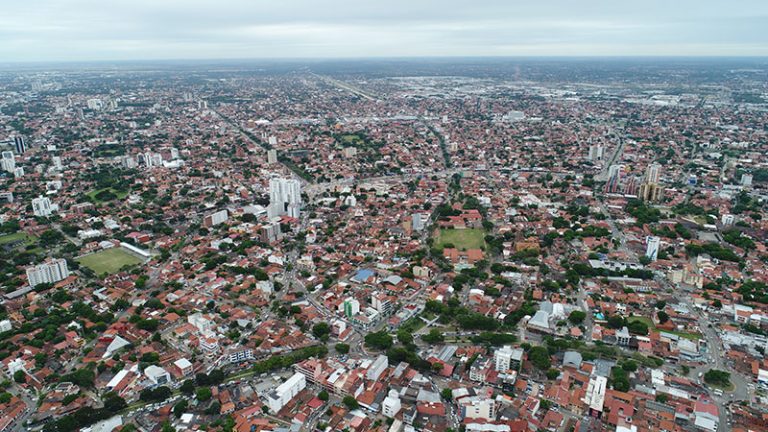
x=383 y=58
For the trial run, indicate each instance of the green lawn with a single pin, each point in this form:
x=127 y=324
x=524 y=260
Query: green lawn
x=352 y=139
x=16 y=236
x=647 y=321
x=109 y=260
x=108 y=194
x=462 y=239
x=10 y=238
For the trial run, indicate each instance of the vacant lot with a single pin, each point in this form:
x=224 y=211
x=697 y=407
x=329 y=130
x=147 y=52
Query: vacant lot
x=462 y=239
x=109 y=260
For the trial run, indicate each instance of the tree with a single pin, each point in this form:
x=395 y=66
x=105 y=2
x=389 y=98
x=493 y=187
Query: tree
x=350 y=402
x=661 y=397
x=446 y=393
x=379 y=340
x=616 y=322
x=342 y=348
x=553 y=373
x=539 y=356
x=321 y=329
x=155 y=395
x=717 y=377
x=203 y=394
x=404 y=336
x=620 y=379
x=20 y=376
x=187 y=387
x=114 y=403
x=577 y=317
x=434 y=336
x=638 y=327
x=629 y=366
x=180 y=408
x=663 y=316
x=214 y=408
x=323 y=395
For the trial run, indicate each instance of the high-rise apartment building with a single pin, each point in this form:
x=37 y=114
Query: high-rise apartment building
x=652 y=247
x=596 y=152
x=653 y=173
x=20 y=144
x=8 y=162
x=48 y=272
x=284 y=197
x=42 y=206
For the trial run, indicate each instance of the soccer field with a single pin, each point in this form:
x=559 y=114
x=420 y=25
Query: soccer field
x=109 y=260
x=463 y=239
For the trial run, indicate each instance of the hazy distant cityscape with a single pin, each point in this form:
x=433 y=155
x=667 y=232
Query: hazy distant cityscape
x=394 y=244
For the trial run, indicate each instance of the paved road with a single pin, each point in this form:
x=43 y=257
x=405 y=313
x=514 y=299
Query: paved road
x=715 y=359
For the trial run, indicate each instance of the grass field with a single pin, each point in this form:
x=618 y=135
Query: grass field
x=647 y=321
x=109 y=260
x=10 y=238
x=352 y=139
x=463 y=239
x=92 y=195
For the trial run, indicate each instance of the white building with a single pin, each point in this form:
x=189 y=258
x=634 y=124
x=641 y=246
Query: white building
x=746 y=179
x=595 y=396
x=350 y=307
x=184 y=366
x=216 y=218
x=5 y=325
x=271 y=156
x=596 y=152
x=157 y=375
x=42 y=207
x=50 y=272
x=284 y=197
x=507 y=358
x=16 y=365
x=286 y=391
x=8 y=162
x=391 y=404
x=418 y=221
x=240 y=355
x=95 y=104
x=477 y=408
x=653 y=173
x=652 y=247
x=377 y=368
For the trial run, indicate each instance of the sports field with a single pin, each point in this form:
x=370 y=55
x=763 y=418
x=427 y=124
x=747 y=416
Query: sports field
x=109 y=260
x=462 y=239
x=10 y=238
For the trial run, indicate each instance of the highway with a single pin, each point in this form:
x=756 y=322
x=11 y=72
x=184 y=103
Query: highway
x=345 y=86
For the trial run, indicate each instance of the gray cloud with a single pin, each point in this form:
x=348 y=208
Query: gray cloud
x=189 y=29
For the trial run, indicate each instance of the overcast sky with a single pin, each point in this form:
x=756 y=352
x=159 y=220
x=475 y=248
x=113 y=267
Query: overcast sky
x=43 y=30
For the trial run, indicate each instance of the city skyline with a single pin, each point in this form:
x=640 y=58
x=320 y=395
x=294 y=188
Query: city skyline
x=80 y=30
